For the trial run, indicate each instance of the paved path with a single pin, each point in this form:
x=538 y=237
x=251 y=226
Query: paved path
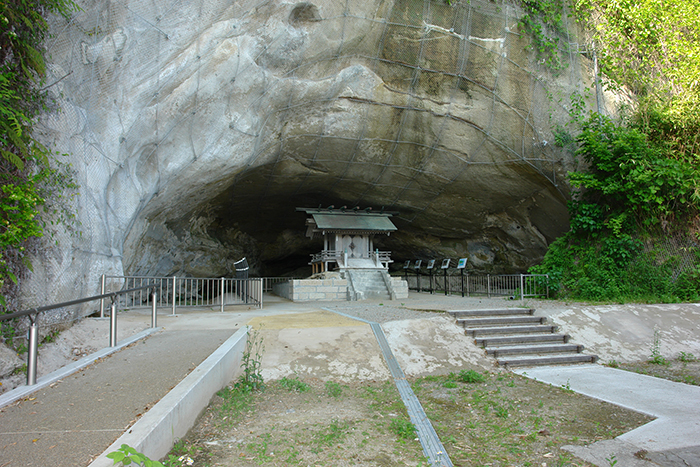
x=77 y=418
x=673 y=439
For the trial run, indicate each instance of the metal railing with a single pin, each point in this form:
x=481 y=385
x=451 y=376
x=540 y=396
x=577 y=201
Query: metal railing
x=33 y=315
x=339 y=255
x=517 y=286
x=188 y=291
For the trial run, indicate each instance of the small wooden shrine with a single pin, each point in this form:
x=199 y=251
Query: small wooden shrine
x=348 y=237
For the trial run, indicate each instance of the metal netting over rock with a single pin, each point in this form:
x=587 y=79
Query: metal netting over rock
x=195 y=126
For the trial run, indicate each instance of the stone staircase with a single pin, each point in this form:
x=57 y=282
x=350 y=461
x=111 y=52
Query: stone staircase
x=369 y=283
x=515 y=337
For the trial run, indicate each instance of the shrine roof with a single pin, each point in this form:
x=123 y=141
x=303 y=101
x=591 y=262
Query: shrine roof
x=351 y=220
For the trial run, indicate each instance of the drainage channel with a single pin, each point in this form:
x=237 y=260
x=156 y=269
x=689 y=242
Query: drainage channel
x=432 y=447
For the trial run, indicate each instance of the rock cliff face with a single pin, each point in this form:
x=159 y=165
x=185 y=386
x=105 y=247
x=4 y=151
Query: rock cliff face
x=196 y=127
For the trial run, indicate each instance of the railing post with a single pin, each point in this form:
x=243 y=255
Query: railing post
x=113 y=325
x=488 y=285
x=222 y=295
x=522 y=287
x=103 y=281
x=154 y=309
x=174 y=293
x=33 y=351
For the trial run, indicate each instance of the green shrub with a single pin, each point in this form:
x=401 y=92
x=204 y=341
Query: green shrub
x=294 y=385
x=470 y=376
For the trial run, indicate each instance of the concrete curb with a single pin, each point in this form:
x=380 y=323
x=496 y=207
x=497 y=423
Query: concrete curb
x=171 y=418
x=23 y=391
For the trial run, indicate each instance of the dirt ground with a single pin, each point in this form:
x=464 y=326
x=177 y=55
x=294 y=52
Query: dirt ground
x=351 y=414
x=506 y=420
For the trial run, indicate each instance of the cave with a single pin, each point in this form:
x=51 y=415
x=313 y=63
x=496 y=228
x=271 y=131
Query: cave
x=195 y=129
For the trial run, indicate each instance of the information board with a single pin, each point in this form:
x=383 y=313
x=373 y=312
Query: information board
x=462 y=263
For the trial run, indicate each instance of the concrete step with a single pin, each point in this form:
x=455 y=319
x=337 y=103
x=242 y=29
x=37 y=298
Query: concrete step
x=547 y=360
x=490 y=341
x=501 y=320
x=534 y=349
x=498 y=312
x=487 y=331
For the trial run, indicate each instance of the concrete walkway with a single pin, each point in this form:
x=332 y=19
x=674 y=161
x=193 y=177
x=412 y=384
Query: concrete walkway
x=75 y=419
x=673 y=439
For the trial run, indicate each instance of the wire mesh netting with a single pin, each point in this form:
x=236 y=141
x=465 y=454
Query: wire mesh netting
x=397 y=103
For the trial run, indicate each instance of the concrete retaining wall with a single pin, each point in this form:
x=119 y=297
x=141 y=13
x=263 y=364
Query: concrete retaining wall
x=400 y=287
x=171 y=418
x=309 y=290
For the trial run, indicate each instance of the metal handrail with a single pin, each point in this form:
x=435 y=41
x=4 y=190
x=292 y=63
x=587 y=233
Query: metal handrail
x=33 y=315
x=39 y=309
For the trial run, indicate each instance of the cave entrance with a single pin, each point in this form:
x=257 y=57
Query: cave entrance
x=348 y=237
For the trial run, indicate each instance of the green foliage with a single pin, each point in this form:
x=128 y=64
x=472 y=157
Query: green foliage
x=25 y=166
x=470 y=376
x=236 y=402
x=630 y=173
x=333 y=389
x=251 y=362
x=335 y=433
x=403 y=428
x=543 y=21
x=687 y=357
x=656 y=357
x=294 y=385
x=633 y=185
x=128 y=455
x=652 y=47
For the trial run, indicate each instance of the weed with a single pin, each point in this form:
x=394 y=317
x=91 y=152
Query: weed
x=20 y=370
x=656 y=357
x=471 y=376
x=50 y=337
x=235 y=403
x=500 y=411
x=335 y=433
x=613 y=364
x=251 y=362
x=567 y=387
x=294 y=385
x=128 y=455
x=403 y=428
x=449 y=384
x=333 y=389
x=611 y=460
x=686 y=357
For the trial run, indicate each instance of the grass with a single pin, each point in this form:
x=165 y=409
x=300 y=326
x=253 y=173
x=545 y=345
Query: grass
x=511 y=420
x=294 y=384
x=504 y=419
x=333 y=389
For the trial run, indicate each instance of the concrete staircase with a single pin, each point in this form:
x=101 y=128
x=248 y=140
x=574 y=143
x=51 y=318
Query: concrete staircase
x=369 y=283
x=518 y=338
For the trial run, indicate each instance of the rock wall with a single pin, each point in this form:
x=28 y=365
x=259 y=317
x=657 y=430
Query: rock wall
x=195 y=128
